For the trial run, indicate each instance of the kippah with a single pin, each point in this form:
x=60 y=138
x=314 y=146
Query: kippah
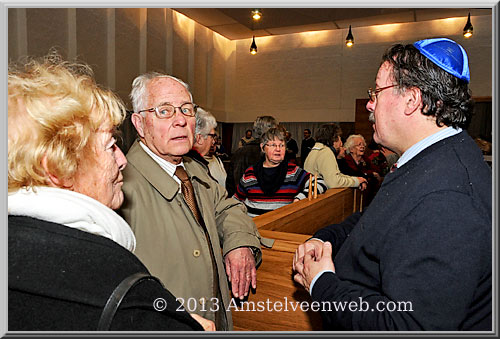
x=446 y=54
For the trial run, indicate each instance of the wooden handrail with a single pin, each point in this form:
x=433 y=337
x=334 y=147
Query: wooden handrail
x=308 y=216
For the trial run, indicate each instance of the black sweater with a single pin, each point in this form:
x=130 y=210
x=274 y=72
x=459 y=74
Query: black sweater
x=60 y=279
x=425 y=239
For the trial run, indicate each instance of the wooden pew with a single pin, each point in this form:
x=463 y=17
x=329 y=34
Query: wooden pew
x=306 y=217
x=274 y=284
x=290 y=226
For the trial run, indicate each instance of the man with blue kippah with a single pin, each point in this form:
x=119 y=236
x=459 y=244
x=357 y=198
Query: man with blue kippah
x=419 y=257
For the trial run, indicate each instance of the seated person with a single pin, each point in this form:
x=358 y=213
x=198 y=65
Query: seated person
x=322 y=159
x=68 y=249
x=377 y=159
x=272 y=182
x=356 y=163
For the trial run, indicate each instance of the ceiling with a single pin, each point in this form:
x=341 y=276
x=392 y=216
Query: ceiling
x=236 y=23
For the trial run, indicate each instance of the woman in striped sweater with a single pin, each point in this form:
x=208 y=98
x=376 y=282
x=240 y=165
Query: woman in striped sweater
x=272 y=182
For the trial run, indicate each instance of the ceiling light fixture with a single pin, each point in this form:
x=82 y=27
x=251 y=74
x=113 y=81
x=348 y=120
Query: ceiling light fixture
x=253 y=47
x=468 y=29
x=349 y=39
x=256 y=14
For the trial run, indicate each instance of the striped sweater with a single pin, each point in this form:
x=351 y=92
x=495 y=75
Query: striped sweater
x=294 y=184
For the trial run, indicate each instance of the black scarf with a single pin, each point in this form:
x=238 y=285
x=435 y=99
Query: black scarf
x=270 y=184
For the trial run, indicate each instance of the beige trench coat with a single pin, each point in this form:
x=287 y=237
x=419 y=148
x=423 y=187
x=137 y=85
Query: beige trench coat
x=171 y=243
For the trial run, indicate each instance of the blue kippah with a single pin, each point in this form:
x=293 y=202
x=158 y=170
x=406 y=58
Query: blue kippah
x=447 y=54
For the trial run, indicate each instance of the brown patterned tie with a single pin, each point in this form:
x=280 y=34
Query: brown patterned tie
x=188 y=193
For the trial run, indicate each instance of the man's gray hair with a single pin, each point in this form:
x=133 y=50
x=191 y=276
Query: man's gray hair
x=349 y=143
x=139 y=93
x=205 y=121
x=262 y=124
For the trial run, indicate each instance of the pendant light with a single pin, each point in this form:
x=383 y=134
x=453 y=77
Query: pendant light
x=253 y=47
x=256 y=14
x=349 y=39
x=468 y=29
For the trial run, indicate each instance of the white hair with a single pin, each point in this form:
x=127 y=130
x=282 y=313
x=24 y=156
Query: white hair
x=205 y=121
x=139 y=93
x=349 y=143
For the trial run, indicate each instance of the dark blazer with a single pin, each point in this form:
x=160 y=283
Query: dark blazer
x=425 y=240
x=60 y=279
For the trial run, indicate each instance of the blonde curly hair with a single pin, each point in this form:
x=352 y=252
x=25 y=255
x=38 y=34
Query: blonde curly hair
x=54 y=109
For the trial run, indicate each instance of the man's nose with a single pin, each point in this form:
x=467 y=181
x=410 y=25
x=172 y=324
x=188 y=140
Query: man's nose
x=179 y=118
x=370 y=106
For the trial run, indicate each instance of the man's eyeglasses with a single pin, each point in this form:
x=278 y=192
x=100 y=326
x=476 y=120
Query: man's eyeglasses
x=167 y=111
x=372 y=94
x=213 y=135
x=276 y=145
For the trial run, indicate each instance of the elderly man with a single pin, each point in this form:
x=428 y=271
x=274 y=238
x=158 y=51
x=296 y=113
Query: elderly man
x=204 y=145
x=186 y=228
x=419 y=258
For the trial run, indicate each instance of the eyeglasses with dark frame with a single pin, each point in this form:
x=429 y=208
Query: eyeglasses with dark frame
x=372 y=94
x=167 y=111
x=213 y=135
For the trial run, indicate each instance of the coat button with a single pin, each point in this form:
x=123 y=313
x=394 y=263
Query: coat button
x=196 y=253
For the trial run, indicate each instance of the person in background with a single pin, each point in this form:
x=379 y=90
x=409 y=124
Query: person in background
x=189 y=233
x=306 y=146
x=204 y=145
x=425 y=240
x=322 y=159
x=220 y=150
x=204 y=135
x=378 y=160
x=273 y=182
x=249 y=154
x=356 y=163
x=291 y=148
x=246 y=139
x=390 y=156
x=216 y=167
x=68 y=250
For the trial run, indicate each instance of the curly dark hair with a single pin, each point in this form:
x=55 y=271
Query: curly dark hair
x=444 y=96
x=327 y=133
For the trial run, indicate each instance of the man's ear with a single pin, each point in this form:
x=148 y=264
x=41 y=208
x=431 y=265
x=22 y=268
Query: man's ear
x=198 y=139
x=54 y=180
x=138 y=122
x=413 y=98
x=262 y=147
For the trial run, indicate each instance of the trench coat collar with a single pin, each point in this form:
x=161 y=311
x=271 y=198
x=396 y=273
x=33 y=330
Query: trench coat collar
x=157 y=177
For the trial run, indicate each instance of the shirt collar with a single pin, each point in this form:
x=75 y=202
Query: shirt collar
x=424 y=143
x=164 y=164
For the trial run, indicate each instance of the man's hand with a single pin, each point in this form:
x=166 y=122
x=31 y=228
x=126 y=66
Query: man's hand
x=314 y=245
x=208 y=325
x=312 y=266
x=240 y=269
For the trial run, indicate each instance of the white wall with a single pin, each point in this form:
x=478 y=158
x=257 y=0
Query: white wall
x=315 y=77
x=296 y=77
